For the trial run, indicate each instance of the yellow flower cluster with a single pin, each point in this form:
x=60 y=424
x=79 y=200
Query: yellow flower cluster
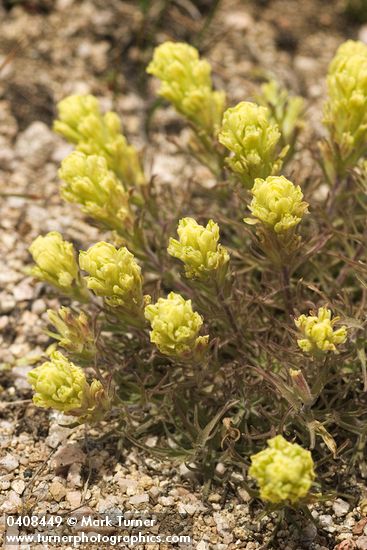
x=61 y=385
x=55 y=262
x=252 y=138
x=176 y=327
x=113 y=274
x=318 y=332
x=284 y=471
x=186 y=83
x=345 y=111
x=277 y=203
x=90 y=183
x=198 y=249
x=82 y=123
x=73 y=332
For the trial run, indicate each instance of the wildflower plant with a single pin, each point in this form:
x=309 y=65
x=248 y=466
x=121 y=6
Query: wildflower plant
x=190 y=324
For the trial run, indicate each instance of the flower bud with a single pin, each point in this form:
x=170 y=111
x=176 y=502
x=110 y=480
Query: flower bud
x=176 y=327
x=88 y=182
x=277 y=203
x=284 y=471
x=345 y=111
x=113 y=274
x=73 y=332
x=55 y=261
x=61 y=385
x=81 y=122
x=186 y=83
x=253 y=139
x=318 y=332
x=198 y=248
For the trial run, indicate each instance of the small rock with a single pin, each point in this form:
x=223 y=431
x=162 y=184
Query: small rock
x=221 y=523
x=18 y=486
x=214 y=497
x=67 y=455
x=166 y=501
x=74 y=498
x=23 y=291
x=139 y=499
x=327 y=522
x=34 y=145
x=38 y=307
x=74 y=475
x=362 y=34
x=346 y=545
x=7 y=303
x=57 y=490
x=244 y=495
x=359 y=526
x=13 y=503
x=340 y=507
x=238 y=20
x=9 y=463
x=202 y=545
x=361 y=543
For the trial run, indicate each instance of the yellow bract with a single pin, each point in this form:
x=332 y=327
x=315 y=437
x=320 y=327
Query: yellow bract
x=198 y=248
x=82 y=123
x=318 y=332
x=90 y=183
x=175 y=326
x=277 y=203
x=345 y=111
x=61 y=385
x=284 y=471
x=55 y=261
x=249 y=134
x=113 y=274
x=186 y=83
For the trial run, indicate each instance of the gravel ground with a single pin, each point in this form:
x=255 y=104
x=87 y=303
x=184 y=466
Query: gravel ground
x=72 y=46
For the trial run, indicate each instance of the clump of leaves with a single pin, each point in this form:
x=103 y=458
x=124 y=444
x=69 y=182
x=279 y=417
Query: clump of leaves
x=219 y=317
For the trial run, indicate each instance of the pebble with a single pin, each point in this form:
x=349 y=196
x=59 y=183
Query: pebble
x=23 y=291
x=18 y=486
x=340 y=507
x=139 y=499
x=13 y=503
x=57 y=490
x=67 y=455
x=34 y=146
x=9 y=463
x=327 y=523
x=74 y=498
x=74 y=478
x=361 y=543
x=38 y=307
